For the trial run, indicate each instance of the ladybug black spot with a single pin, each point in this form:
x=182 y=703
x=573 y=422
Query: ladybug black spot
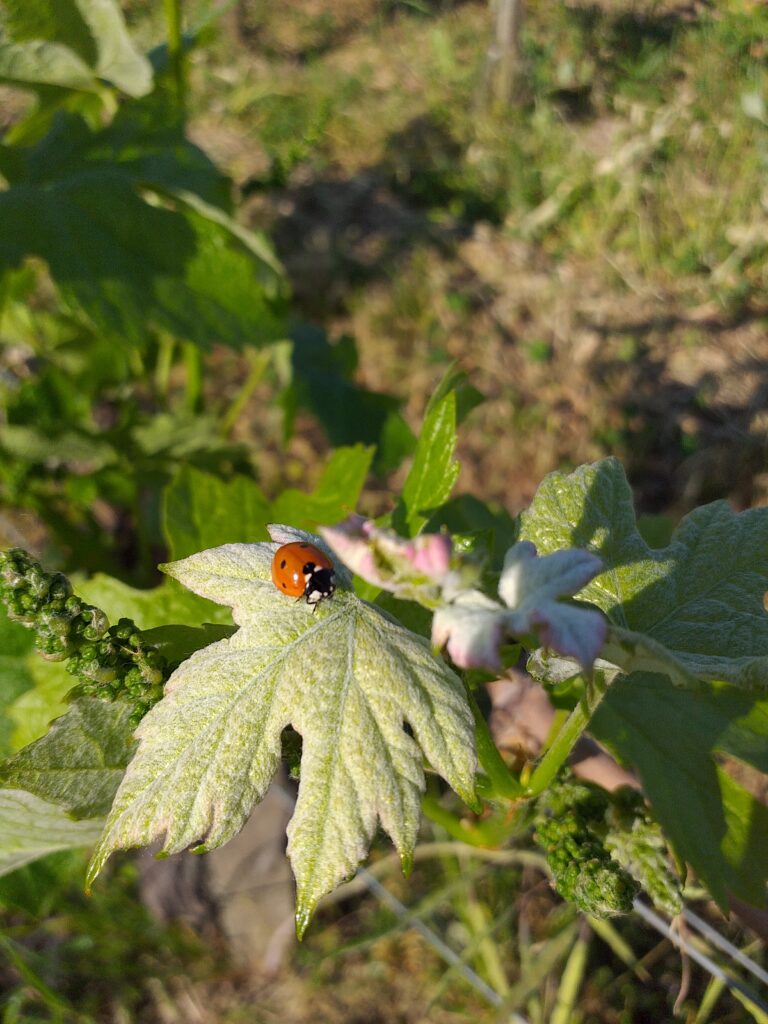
x=282 y=566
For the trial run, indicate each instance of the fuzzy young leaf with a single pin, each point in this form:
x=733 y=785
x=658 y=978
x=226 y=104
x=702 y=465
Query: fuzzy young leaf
x=30 y=828
x=344 y=676
x=80 y=761
x=701 y=597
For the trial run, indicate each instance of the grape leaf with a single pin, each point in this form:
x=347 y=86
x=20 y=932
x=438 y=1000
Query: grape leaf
x=691 y=613
x=133 y=264
x=37 y=62
x=159 y=606
x=321 y=380
x=335 y=495
x=344 y=676
x=668 y=735
x=30 y=828
x=79 y=762
x=701 y=597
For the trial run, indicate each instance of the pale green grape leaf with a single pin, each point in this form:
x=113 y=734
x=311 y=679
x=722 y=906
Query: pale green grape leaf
x=118 y=59
x=32 y=712
x=344 y=676
x=91 y=33
x=79 y=762
x=701 y=597
x=30 y=828
x=38 y=62
x=202 y=511
x=434 y=471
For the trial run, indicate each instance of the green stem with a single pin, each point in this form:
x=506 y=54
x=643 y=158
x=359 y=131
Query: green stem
x=465 y=833
x=503 y=782
x=259 y=361
x=165 y=349
x=571 y=979
x=193 y=361
x=176 y=51
x=59 y=1007
x=564 y=742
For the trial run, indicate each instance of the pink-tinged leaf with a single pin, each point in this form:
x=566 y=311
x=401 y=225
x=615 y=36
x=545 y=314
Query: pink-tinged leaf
x=529 y=578
x=412 y=569
x=472 y=629
x=574 y=632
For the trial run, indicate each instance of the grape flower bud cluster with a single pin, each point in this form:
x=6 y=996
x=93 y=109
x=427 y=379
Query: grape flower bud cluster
x=110 y=662
x=570 y=820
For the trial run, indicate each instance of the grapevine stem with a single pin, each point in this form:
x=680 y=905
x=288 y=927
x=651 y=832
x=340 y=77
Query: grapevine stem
x=193 y=362
x=259 y=361
x=165 y=349
x=173 y=21
x=503 y=782
x=564 y=742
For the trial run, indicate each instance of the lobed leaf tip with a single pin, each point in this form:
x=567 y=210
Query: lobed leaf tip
x=406 y=862
x=303 y=917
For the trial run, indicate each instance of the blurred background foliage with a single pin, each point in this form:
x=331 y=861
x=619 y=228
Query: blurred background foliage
x=232 y=272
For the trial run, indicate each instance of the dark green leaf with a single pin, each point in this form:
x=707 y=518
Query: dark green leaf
x=669 y=736
x=335 y=495
x=201 y=511
x=134 y=266
x=434 y=471
x=177 y=643
x=321 y=375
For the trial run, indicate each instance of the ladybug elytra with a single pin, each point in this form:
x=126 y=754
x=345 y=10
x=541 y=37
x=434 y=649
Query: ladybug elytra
x=299 y=569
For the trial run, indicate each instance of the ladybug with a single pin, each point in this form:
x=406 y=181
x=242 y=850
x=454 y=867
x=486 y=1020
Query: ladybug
x=301 y=570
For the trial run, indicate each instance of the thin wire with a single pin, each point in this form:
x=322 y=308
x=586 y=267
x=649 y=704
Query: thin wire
x=722 y=943
x=436 y=943
x=702 y=959
x=441 y=948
